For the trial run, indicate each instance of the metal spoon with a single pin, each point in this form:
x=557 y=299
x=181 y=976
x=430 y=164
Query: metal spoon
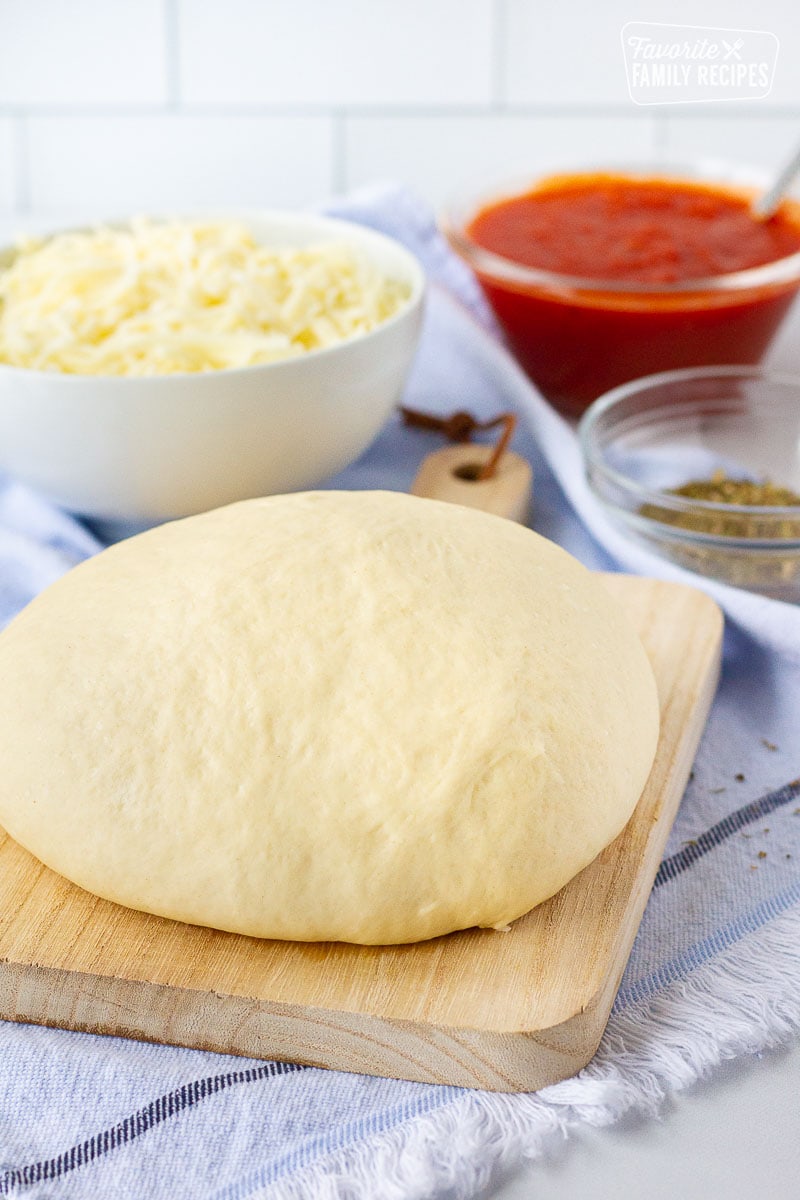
x=766 y=204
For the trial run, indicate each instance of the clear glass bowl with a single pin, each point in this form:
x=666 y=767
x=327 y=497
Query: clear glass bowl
x=659 y=433
x=577 y=338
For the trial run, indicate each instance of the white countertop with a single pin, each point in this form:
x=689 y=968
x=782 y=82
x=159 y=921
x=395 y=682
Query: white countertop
x=735 y=1136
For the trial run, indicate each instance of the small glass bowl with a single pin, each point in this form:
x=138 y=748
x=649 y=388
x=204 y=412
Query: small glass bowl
x=645 y=438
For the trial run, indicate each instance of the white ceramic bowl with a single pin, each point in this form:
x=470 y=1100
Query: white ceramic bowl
x=144 y=449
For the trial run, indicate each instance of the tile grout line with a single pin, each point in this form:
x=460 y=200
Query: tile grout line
x=172 y=54
x=498 y=56
x=381 y=111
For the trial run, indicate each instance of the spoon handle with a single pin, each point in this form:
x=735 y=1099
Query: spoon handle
x=766 y=204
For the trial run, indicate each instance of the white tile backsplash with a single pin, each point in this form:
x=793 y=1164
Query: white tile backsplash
x=115 y=105
x=82 y=52
x=441 y=155
x=8 y=173
x=571 y=54
x=172 y=162
x=760 y=141
x=555 y=56
x=350 y=52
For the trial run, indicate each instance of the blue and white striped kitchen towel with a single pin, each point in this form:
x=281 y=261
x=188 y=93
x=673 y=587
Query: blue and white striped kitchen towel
x=715 y=970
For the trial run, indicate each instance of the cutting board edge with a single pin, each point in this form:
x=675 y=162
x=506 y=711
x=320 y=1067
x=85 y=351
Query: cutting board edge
x=697 y=594
x=494 y=1060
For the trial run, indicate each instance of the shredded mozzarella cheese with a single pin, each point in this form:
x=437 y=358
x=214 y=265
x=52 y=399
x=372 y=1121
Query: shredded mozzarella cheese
x=155 y=299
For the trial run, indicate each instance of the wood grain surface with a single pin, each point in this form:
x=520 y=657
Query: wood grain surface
x=505 y=1011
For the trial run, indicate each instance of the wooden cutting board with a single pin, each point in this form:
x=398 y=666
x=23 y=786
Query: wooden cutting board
x=504 y=1011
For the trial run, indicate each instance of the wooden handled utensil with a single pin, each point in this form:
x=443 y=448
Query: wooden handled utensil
x=489 y=477
x=452 y=474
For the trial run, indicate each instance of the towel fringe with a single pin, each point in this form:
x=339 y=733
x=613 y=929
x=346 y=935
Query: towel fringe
x=745 y=1001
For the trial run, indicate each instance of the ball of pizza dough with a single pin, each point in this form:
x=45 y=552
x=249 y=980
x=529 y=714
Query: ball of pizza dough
x=356 y=716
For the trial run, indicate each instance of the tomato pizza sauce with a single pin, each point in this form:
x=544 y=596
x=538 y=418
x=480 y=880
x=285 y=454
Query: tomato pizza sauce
x=635 y=278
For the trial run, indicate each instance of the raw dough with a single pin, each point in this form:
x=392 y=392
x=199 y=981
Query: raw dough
x=355 y=716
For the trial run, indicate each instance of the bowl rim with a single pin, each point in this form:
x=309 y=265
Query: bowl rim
x=594 y=461
x=416 y=275
x=456 y=215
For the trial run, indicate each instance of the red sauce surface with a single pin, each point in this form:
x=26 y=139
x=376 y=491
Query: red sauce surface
x=638 y=231
x=577 y=342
